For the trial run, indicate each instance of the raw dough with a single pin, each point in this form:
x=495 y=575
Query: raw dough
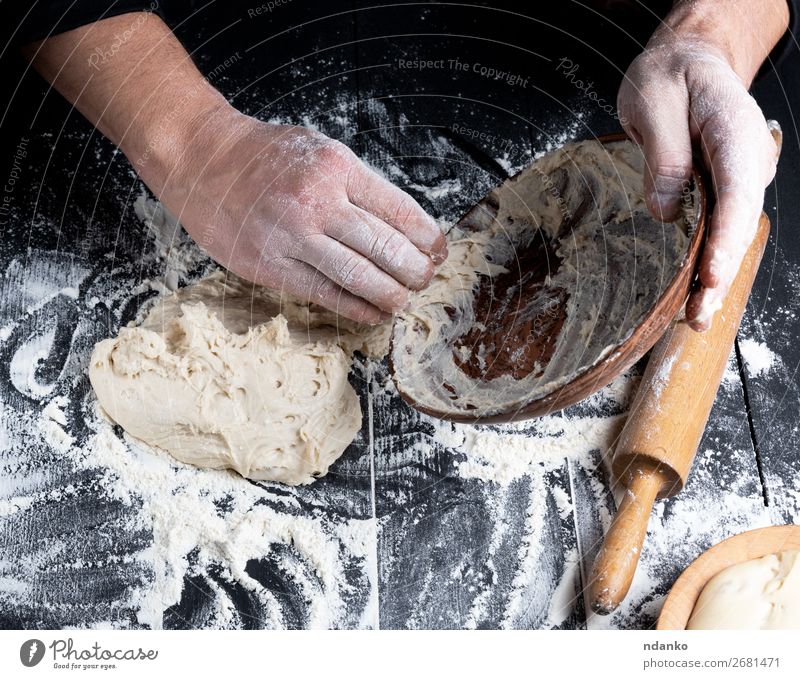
x=224 y=374
x=616 y=261
x=758 y=594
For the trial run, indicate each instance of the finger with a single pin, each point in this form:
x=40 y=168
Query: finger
x=627 y=112
x=307 y=283
x=740 y=153
x=391 y=250
x=354 y=273
x=740 y=170
x=701 y=307
x=667 y=146
x=371 y=192
x=731 y=230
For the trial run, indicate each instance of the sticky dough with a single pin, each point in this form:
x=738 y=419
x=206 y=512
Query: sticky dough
x=615 y=262
x=758 y=594
x=227 y=375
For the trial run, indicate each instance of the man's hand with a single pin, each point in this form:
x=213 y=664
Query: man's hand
x=279 y=205
x=294 y=210
x=689 y=89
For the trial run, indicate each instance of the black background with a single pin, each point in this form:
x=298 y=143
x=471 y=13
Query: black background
x=299 y=60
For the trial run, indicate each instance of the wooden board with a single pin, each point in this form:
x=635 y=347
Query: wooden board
x=447 y=542
x=772 y=321
x=752 y=544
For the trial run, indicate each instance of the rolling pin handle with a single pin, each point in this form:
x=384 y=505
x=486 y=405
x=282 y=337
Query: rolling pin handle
x=616 y=561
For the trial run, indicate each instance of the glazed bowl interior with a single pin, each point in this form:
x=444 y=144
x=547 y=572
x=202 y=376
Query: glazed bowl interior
x=557 y=282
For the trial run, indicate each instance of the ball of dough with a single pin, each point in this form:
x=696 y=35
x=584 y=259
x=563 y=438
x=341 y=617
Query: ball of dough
x=217 y=379
x=758 y=594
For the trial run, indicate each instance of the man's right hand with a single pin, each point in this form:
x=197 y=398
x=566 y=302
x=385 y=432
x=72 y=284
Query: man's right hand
x=279 y=205
x=293 y=210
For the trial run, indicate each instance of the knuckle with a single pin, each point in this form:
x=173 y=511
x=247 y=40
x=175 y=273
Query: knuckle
x=296 y=246
x=637 y=71
x=333 y=156
x=405 y=210
x=287 y=239
x=354 y=273
x=672 y=165
x=387 y=248
x=353 y=178
x=271 y=241
x=279 y=273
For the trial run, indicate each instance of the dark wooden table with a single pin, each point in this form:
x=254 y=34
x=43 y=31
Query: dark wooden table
x=452 y=544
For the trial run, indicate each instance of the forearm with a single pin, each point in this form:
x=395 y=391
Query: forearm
x=744 y=31
x=132 y=79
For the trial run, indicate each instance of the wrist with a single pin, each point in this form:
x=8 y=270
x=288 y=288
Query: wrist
x=743 y=35
x=166 y=138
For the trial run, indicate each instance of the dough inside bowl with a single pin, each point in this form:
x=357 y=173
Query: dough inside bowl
x=762 y=593
x=545 y=277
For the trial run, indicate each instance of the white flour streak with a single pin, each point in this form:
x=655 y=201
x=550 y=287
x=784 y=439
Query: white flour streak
x=562 y=603
x=444 y=188
x=26 y=360
x=181 y=505
x=662 y=376
x=502 y=457
x=758 y=357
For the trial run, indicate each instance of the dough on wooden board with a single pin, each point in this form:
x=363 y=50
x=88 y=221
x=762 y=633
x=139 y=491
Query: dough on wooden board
x=224 y=374
x=757 y=594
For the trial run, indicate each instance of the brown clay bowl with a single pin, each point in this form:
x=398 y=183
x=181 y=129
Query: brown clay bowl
x=538 y=262
x=752 y=544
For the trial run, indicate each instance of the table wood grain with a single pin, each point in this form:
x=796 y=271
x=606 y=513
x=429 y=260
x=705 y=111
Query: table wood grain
x=450 y=550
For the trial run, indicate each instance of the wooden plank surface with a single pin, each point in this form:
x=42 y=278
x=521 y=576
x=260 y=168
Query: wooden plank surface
x=768 y=349
x=454 y=551
x=434 y=525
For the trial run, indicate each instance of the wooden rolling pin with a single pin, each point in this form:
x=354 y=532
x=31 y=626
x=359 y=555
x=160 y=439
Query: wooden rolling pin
x=658 y=443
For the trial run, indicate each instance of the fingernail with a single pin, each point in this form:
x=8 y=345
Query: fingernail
x=435 y=236
x=700 y=327
x=663 y=204
x=709 y=305
x=715 y=270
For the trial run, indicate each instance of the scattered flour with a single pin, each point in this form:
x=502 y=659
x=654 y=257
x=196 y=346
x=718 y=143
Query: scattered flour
x=504 y=456
x=447 y=186
x=181 y=506
x=202 y=520
x=173 y=247
x=758 y=357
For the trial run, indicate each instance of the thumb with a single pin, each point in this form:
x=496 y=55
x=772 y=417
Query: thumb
x=663 y=126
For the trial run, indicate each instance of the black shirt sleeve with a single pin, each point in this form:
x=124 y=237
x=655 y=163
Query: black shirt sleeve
x=49 y=17
x=788 y=41
x=44 y=18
